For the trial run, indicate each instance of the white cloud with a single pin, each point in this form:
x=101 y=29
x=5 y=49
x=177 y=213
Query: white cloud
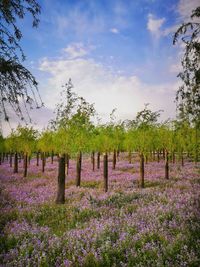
x=76 y=50
x=154 y=25
x=106 y=89
x=114 y=30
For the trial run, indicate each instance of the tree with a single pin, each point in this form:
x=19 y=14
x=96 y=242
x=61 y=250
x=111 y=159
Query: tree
x=26 y=138
x=188 y=95
x=143 y=136
x=18 y=87
x=13 y=146
x=45 y=144
x=73 y=131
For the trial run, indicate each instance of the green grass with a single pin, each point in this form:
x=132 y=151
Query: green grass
x=60 y=218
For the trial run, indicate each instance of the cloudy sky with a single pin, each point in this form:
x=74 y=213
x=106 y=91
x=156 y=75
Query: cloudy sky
x=118 y=53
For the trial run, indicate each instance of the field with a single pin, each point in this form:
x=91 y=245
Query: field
x=127 y=226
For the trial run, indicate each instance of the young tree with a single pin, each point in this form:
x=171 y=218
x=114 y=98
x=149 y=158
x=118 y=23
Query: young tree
x=26 y=138
x=143 y=136
x=73 y=128
x=12 y=145
x=45 y=144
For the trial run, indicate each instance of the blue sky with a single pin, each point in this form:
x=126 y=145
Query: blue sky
x=119 y=53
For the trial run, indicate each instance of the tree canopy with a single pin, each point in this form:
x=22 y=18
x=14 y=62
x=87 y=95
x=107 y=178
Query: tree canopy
x=188 y=95
x=18 y=87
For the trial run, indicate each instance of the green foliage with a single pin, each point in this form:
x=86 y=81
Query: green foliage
x=12 y=142
x=188 y=95
x=45 y=142
x=2 y=143
x=142 y=134
x=27 y=139
x=73 y=124
x=18 y=87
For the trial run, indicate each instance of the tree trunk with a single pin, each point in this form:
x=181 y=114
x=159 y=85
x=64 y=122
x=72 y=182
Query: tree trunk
x=154 y=155
x=163 y=152
x=98 y=160
x=67 y=162
x=105 y=171
x=20 y=157
x=52 y=155
x=25 y=164
x=146 y=159
x=16 y=163
x=166 y=164
x=142 y=170
x=78 y=169
x=0 y=158
x=29 y=160
x=11 y=160
x=158 y=156
x=38 y=154
x=114 y=159
x=43 y=161
x=93 y=160
x=129 y=157
x=61 y=181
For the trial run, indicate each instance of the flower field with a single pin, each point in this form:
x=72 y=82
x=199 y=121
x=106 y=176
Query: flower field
x=127 y=226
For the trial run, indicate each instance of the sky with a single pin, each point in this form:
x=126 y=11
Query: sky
x=118 y=53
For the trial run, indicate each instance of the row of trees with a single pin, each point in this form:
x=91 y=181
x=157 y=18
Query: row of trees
x=73 y=133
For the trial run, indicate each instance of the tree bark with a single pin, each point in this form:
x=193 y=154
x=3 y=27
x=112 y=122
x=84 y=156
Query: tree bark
x=43 y=161
x=105 y=171
x=146 y=159
x=98 y=160
x=142 y=170
x=93 y=160
x=78 y=169
x=25 y=164
x=67 y=162
x=129 y=157
x=154 y=155
x=38 y=154
x=114 y=159
x=163 y=152
x=61 y=181
x=20 y=157
x=166 y=164
x=16 y=163
x=52 y=155
x=158 y=156
x=11 y=160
